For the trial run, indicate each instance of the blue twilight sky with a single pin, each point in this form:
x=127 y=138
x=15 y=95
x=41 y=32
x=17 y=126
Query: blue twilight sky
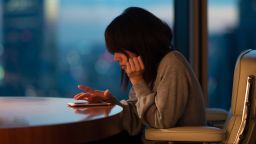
x=222 y=2
x=144 y=2
x=87 y=19
x=91 y=16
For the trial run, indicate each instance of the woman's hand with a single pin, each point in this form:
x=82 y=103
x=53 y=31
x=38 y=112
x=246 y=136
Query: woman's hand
x=95 y=96
x=134 y=69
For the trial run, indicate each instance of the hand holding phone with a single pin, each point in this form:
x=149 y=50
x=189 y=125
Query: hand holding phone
x=95 y=96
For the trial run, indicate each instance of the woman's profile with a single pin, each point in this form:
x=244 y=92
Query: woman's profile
x=164 y=90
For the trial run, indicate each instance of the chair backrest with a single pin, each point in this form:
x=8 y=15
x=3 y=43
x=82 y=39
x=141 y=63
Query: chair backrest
x=249 y=135
x=242 y=113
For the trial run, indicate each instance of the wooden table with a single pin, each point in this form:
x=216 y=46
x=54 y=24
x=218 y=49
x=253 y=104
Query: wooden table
x=41 y=120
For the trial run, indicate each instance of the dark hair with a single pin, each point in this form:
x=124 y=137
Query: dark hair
x=142 y=33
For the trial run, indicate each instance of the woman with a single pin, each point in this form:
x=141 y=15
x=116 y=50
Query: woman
x=165 y=93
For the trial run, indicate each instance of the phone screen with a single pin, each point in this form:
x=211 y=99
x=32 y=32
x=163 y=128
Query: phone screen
x=80 y=103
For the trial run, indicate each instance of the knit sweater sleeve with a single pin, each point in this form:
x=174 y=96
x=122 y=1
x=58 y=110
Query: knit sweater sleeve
x=162 y=107
x=131 y=121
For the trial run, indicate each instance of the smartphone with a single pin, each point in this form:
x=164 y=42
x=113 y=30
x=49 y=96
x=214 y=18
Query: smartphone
x=83 y=103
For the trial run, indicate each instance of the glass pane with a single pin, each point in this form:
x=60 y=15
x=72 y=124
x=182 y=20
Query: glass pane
x=231 y=30
x=58 y=44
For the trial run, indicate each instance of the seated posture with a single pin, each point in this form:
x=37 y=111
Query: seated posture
x=165 y=92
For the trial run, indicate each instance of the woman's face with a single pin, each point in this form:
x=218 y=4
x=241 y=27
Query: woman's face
x=122 y=59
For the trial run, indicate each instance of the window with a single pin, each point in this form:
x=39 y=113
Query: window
x=226 y=28
x=48 y=48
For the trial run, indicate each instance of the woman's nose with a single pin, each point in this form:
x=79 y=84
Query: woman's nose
x=115 y=57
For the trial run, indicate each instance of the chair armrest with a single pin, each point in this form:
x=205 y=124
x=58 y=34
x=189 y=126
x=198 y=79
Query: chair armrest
x=186 y=134
x=216 y=114
x=216 y=117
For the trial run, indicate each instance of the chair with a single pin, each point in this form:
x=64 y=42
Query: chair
x=239 y=125
x=216 y=117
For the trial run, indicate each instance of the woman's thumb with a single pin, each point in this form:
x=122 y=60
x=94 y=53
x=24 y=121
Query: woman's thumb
x=106 y=92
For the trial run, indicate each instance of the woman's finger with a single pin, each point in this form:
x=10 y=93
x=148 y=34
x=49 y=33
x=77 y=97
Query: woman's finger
x=77 y=95
x=99 y=93
x=85 y=88
x=141 y=63
x=136 y=64
x=106 y=93
x=89 y=90
x=95 y=98
x=83 y=96
x=132 y=64
x=90 y=98
x=128 y=68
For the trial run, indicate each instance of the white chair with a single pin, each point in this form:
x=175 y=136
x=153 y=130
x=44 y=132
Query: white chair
x=239 y=125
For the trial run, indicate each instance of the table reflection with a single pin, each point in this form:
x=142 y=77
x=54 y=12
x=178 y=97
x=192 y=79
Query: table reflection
x=11 y=122
x=50 y=120
x=33 y=111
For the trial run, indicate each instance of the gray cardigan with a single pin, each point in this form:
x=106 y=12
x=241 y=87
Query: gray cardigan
x=175 y=100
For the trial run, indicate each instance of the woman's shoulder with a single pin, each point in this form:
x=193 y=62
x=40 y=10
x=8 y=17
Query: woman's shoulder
x=173 y=57
x=173 y=61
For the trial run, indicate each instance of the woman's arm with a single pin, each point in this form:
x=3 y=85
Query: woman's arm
x=163 y=107
x=131 y=121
